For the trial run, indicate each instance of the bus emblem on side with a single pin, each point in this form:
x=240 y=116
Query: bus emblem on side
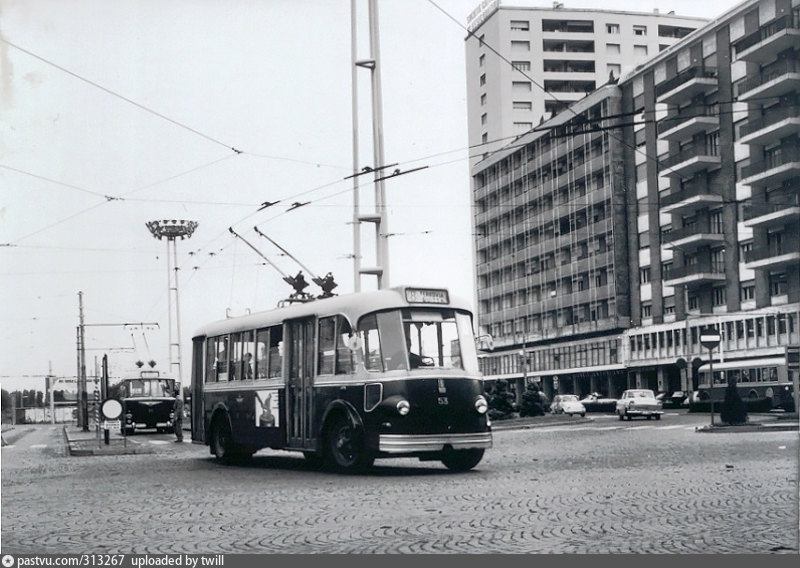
x=442 y=388
x=443 y=400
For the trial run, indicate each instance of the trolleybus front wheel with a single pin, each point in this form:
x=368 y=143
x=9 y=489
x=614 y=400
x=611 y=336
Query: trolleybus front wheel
x=343 y=449
x=221 y=440
x=462 y=460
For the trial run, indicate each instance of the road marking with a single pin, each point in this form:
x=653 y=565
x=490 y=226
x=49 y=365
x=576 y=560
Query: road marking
x=158 y=442
x=38 y=446
x=671 y=427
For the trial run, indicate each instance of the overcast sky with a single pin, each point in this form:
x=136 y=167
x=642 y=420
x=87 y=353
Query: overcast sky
x=116 y=113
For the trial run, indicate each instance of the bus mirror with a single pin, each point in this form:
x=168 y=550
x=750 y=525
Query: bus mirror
x=354 y=343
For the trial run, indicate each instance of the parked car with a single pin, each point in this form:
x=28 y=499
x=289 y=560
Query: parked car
x=639 y=402
x=596 y=402
x=671 y=399
x=567 y=404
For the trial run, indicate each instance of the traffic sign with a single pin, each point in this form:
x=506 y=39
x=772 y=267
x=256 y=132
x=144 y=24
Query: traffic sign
x=710 y=339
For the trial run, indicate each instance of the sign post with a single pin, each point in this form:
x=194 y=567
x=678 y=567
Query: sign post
x=793 y=368
x=710 y=339
x=111 y=410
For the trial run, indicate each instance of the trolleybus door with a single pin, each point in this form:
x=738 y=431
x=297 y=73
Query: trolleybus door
x=299 y=386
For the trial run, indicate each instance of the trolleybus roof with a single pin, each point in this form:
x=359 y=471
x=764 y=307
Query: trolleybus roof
x=352 y=306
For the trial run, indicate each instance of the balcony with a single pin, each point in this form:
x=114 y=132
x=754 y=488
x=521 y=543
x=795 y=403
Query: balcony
x=686 y=85
x=776 y=212
x=698 y=195
x=779 y=79
x=772 y=171
x=763 y=45
x=689 y=162
x=683 y=127
x=775 y=256
x=695 y=275
x=772 y=126
x=691 y=237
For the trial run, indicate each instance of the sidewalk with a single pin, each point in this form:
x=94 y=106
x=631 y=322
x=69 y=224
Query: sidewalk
x=80 y=443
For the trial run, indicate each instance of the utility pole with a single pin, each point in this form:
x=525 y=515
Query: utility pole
x=83 y=408
x=379 y=218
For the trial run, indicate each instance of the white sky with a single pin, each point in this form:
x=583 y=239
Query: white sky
x=143 y=99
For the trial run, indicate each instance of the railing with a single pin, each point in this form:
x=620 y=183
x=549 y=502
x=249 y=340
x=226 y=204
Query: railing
x=688 y=154
x=782 y=23
x=772 y=117
x=691 y=269
x=690 y=191
x=684 y=76
x=771 y=250
x=683 y=232
x=768 y=164
x=776 y=70
x=777 y=203
x=671 y=122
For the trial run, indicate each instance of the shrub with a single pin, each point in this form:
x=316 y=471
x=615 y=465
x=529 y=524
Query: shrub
x=733 y=409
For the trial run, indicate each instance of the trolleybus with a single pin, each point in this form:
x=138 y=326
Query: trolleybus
x=344 y=380
x=764 y=383
x=147 y=403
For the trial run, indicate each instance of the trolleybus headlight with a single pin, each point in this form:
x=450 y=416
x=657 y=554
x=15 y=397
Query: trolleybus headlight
x=403 y=407
x=481 y=405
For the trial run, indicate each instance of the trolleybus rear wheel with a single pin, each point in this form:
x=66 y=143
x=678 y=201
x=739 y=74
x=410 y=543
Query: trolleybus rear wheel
x=343 y=448
x=462 y=460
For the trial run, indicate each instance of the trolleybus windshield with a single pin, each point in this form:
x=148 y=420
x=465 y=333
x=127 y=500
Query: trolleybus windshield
x=417 y=338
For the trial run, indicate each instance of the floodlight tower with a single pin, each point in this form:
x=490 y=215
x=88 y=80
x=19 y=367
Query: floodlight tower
x=172 y=230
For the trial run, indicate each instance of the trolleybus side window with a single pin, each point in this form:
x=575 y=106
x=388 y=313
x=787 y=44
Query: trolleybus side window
x=368 y=334
x=275 y=350
x=262 y=353
x=326 y=344
x=221 y=362
x=344 y=354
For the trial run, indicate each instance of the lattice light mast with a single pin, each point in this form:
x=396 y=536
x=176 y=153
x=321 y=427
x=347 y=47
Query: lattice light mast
x=172 y=230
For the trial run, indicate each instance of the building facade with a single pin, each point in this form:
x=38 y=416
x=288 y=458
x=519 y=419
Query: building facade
x=659 y=205
x=525 y=64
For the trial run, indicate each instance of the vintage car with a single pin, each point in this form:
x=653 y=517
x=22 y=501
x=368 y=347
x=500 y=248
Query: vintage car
x=671 y=399
x=639 y=402
x=567 y=404
x=596 y=402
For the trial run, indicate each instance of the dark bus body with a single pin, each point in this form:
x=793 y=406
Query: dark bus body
x=147 y=403
x=334 y=380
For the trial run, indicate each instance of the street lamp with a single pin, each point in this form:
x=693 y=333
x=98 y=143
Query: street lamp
x=710 y=339
x=171 y=230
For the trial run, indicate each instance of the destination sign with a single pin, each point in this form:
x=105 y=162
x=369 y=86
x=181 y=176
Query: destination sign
x=427 y=296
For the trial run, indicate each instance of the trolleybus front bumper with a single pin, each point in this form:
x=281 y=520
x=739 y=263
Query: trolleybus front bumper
x=407 y=443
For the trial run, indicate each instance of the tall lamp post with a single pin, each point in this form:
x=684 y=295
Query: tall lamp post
x=172 y=230
x=710 y=339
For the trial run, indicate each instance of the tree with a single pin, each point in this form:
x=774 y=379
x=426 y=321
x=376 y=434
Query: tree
x=501 y=401
x=734 y=410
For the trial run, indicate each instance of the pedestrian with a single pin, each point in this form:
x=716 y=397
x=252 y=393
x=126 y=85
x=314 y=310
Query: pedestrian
x=178 y=420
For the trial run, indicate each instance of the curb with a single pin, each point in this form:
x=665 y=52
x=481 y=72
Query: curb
x=116 y=447
x=728 y=429
x=523 y=424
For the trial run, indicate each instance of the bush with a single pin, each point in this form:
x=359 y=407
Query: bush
x=733 y=409
x=501 y=401
x=534 y=402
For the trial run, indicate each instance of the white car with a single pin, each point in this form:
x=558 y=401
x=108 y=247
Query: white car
x=567 y=404
x=639 y=402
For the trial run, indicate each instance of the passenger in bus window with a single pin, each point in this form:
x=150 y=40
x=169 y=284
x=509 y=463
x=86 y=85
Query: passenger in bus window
x=248 y=366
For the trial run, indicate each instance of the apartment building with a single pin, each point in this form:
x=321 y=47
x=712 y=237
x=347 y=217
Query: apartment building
x=525 y=64
x=716 y=170
x=651 y=209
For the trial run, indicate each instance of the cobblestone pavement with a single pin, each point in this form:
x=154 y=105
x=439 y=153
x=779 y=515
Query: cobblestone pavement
x=598 y=487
